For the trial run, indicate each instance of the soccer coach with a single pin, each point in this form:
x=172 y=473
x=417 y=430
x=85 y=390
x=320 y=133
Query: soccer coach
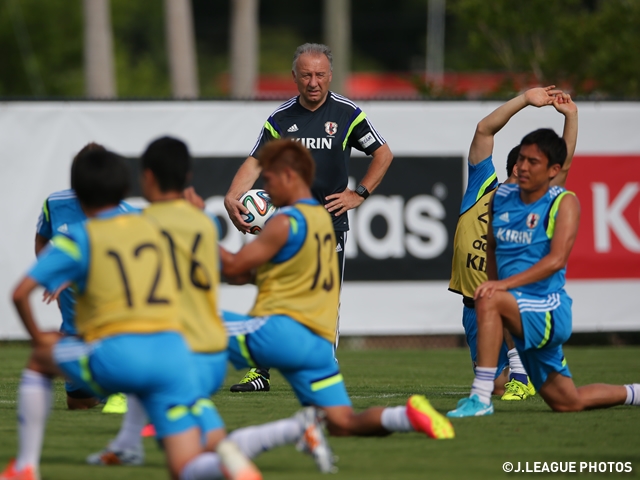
x=329 y=125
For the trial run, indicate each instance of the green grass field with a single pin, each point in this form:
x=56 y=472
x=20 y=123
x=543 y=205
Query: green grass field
x=518 y=432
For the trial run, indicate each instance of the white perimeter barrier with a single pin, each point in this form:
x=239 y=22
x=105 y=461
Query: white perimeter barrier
x=38 y=141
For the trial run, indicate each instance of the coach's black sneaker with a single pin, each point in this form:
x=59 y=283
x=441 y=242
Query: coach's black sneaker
x=255 y=380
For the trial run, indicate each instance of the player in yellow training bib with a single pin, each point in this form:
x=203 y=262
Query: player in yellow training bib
x=191 y=238
x=469 y=263
x=126 y=316
x=291 y=326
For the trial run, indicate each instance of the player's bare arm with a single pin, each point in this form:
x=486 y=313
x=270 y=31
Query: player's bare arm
x=567 y=222
x=21 y=301
x=347 y=200
x=492 y=266
x=568 y=108
x=258 y=252
x=244 y=179
x=482 y=143
x=40 y=242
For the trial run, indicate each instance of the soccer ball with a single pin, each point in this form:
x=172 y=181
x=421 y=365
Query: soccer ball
x=260 y=209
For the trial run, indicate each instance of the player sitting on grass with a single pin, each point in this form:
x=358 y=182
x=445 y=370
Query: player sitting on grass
x=60 y=210
x=469 y=260
x=292 y=324
x=532 y=228
x=127 y=321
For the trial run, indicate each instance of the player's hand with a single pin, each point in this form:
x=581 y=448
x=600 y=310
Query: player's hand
x=541 y=96
x=48 y=297
x=235 y=209
x=338 y=203
x=563 y=104
x=488 y=288
x=193 y=198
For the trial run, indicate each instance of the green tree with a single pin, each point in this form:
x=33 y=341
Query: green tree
x=140 y=49
x=588 y=46
x=41 y=44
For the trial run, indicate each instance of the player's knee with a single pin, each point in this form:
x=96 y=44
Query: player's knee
x=566 y=405
x=484 y=305
x=36 y=364
x=340 y=425
x=564 y=408
x=213 y=438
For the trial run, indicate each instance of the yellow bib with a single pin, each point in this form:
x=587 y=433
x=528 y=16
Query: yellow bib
x=129 y=284
x=469 y=264
x=305 y=287
x=193 y=244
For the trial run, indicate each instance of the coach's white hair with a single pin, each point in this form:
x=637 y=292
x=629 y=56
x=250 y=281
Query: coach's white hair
x=314 y=49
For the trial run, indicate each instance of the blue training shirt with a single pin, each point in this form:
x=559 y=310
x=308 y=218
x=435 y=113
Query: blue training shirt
x=60 y=211
x=67 y=257
x=482 y=178
x=523 y=235
x=297 y=233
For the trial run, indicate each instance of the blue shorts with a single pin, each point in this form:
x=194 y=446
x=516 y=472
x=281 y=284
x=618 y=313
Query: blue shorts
x=74 y=391
x=211 y=369
x=546 y=326
x=139 y=364
x=305 y=359
x=470 y=324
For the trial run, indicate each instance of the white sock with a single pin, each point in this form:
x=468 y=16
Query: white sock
x=515 y=364
x=34 y=404
x=205 y=466
x=483 y=383
x=254 y=440
x=633 y=394
x=133 y=422
x=395 y=419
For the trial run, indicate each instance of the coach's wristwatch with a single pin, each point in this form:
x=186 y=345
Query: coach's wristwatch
x=362 y=191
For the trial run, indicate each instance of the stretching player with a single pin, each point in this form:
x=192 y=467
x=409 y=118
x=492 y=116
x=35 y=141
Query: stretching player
x=532 y=228
x=192 y=239
x=469 y=260
x=292 y=324
x=126 y=316
x=60 y=210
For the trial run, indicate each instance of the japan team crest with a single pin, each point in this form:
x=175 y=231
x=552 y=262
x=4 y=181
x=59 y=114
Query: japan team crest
x=532 y=220
x=331 y=128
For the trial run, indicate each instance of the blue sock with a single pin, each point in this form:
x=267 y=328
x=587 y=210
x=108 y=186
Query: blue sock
x=519 y=377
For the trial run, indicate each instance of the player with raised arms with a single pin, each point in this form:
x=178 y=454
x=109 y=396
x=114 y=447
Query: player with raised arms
x=292 y=324
x=127 y=321
x=469 y=260
x=532 y=228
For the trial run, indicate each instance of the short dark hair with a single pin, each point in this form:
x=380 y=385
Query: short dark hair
x=169 y=160
x=512 y=158
x=89 y=147
x=286 y=153
x=549 y=143
x=100 y=178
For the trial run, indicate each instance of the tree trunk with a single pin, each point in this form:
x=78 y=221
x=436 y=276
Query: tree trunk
x=100 y=79
x=181 y=49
